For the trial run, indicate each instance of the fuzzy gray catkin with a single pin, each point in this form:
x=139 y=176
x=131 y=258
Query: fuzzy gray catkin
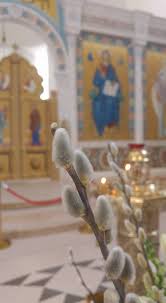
x=129 y=272
x=128 y=190
x=111 y=296
x=83 y=166
x=126 y=209
x=115 y=263
x=152 y=266
x=103 y=213
x=54 y=125
x=138 y=214
x=62 y=153
x=141 y=235
x=72 y=202
x=132 y=298
x=113 y=166
x=114 y=149
x=130 y=227
x=141 y=261
x=147 y=281
x=124 y=176
x=138 y=244
x=156 y=293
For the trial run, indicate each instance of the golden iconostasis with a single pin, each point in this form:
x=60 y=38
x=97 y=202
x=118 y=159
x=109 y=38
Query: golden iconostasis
x=25 y=140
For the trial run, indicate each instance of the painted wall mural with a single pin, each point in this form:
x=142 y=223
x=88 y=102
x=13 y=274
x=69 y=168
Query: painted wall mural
x=34 y=116
x=155 y=91
x=106 y=94
x=35 y=126
x=4 y=81
x=4 y=124
x=105 y=88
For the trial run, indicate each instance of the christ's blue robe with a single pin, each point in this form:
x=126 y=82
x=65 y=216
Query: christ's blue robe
x=105 y=108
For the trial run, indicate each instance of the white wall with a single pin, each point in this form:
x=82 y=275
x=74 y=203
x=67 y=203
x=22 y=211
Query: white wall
x=117 y=3
x=157 y=8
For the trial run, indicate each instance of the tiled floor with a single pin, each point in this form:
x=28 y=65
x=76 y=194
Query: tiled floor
x=38 y=269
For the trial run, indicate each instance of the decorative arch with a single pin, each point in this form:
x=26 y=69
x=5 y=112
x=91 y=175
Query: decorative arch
x=14 y=11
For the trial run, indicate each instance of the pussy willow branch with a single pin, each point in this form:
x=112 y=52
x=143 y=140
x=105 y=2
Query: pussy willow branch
x=80 y=276
x=89 y=218
x=137 y=225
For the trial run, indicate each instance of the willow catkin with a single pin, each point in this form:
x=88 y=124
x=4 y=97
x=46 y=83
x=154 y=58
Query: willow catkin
x=152 y=266
x=128 y=190
x=72 y=202
x=126 y=209
x=147 y=281
x=114 y=149
x=83 y=166
x=123 y=175
x=138 y=214
x=129 y=272
x=111 y=296
x=103 y=213
x=62 y=153
x=132 y=298
x=141 y=235
x=115 y=263
x=130 y=227
x=156 y=293
x=141 y=261
x=138 y=244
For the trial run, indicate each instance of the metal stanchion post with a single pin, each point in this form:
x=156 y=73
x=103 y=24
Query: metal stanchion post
x=4 y=242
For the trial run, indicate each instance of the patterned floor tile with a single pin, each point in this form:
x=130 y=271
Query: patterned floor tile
x=49 y=293
x=85 y=263
x=20 y=294
x=51 y=270
x=35 y=277
x=57 y=299
x=40 y=283
x=72 y=299
x=17 y=281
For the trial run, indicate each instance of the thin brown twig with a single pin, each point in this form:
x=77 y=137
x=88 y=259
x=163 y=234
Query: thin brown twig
x=89 y=218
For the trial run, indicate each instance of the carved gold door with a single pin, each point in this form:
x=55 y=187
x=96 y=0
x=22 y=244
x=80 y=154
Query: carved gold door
x=25 y=140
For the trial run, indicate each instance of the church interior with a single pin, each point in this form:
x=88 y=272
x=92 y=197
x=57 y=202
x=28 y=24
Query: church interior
x=82 y=151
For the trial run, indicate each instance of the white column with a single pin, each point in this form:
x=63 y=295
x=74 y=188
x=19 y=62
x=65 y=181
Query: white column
x=139 y=92
x=73 y=22
x=140 y=38
x=72 y=98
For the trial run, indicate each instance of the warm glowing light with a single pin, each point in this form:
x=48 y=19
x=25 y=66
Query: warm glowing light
x=152 y=187
x=103 y=180
x=146 y=159
x=114 y=192
x=127 y=166
x=144 y=152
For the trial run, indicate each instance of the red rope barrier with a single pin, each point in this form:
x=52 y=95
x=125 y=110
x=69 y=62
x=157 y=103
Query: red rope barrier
x=31 y=202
